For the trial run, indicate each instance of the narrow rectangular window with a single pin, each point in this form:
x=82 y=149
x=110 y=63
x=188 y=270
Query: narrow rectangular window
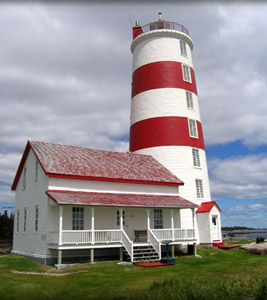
x=214 y=221
x=189 y=100
x=158 y=220
x=193 y=128
x=183 y=48
x=36 y=218
x=199 y=188
x=186 y=73
x=36 y=171
x=77 y=218
x=17 y=220
x=118 y=218
x=24 y=179
x=25 y=219
x=196 y=159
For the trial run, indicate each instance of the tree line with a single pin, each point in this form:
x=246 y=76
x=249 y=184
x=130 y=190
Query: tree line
x=6 y=226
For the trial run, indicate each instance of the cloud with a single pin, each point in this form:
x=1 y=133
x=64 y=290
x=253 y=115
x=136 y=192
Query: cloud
x=239 y=177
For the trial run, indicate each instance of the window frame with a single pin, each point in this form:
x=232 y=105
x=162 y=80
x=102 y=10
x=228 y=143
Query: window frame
x=36 y=171
x=196 y=158
x=199 y=188
x=158 y=218
x=186 y=73
x=189 y=100
x=25 y=220
x=36 y=218
x=183 y=48
x=77 y=218
x=119 y=218
x=17 y=220
x=192 y=126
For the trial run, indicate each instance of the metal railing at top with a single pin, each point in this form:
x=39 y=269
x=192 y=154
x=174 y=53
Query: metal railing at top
x=164 y=25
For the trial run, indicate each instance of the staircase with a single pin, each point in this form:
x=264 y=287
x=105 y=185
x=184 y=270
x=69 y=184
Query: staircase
x=144 y=253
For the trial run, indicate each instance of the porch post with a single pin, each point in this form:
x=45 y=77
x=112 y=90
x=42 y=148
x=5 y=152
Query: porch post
x=92 y=256
x=172 y=224
x=60 y=225
x=59 y=257
x=148 y=218
x=92 y=227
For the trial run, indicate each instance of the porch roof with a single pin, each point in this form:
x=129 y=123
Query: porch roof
x=207 y=206
x=118 y=199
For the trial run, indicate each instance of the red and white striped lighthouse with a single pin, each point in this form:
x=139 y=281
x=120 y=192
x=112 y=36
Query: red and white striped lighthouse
x=165 y=118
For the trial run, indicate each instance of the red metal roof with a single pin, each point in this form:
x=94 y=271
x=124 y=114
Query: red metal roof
x=207 y=206
x=83 y=163
x=118 y=199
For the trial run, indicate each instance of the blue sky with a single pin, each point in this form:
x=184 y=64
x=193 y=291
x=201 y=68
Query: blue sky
x=65 y=77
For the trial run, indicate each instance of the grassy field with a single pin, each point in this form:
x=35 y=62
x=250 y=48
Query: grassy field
x=233 y=274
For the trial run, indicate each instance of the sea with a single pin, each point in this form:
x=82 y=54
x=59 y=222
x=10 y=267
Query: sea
x=250 y=234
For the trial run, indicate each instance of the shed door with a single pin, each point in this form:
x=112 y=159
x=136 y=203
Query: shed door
x=214 y=228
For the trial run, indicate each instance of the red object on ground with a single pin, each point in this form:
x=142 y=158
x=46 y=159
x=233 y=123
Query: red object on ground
x=153 y=264
x=223 y=246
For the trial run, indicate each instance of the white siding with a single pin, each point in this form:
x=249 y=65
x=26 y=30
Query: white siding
x=31 y=242
x=111 y=187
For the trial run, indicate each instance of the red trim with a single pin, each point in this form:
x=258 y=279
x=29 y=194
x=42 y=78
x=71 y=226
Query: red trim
x=113 y=179
x=164 y=131
x=137 y=31
x=162 y=74
x=207 y=206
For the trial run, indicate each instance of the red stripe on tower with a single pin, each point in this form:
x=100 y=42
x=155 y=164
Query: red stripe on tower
x=161 y=74
x=164 y=131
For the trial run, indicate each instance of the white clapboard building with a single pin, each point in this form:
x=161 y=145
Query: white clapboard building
x=79 y=203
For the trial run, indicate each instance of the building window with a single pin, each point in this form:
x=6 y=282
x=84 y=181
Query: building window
x=189 y=100
x=36 y=218
x=158 y=220
x=36 y=171
x=214 y=221
x=186 y=73
x=183 y=48
x=196 y=159
x=17 y=220
x=193 y=128
x=199 y=188
x=24 y=179
x=118 y=218
x=25 y=219
x=77 y=218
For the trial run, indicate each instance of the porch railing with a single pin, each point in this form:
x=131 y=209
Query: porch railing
x=176 y=234
x=155 y=243
x=127 y=243
x=107 y=236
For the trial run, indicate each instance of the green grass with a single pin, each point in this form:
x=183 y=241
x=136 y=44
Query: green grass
x=234 y=273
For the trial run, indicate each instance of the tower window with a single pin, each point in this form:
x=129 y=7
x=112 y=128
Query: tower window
x=17 y=220
x=186 y=73
x=196 y=159
x=189 y=100
x=25 y=219
x=193 y=128
x=183 y=48
x=199 y=188
x=36 y=218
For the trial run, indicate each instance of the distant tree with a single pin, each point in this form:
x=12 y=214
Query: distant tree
x=6 y=226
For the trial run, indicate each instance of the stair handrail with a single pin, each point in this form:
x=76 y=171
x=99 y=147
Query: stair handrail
x=155 y=243
x=127 y=244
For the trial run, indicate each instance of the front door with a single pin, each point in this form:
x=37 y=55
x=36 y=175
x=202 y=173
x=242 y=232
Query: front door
x=214 y=228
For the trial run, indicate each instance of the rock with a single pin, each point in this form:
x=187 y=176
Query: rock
x=255 y=248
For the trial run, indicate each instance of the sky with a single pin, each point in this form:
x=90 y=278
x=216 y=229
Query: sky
x=65 y=77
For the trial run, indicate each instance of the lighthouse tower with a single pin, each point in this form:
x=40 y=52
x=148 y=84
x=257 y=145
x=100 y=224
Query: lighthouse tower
x=165 y=118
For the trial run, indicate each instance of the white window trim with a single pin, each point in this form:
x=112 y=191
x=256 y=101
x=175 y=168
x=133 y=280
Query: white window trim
x=119 y=219
x=17 y=220
x=25 y=219
x=196 y=158
x=194 y=129
x=183 y=53
x=36 y=171
x=188 y=72
x=199 y=188
x=189 y=100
